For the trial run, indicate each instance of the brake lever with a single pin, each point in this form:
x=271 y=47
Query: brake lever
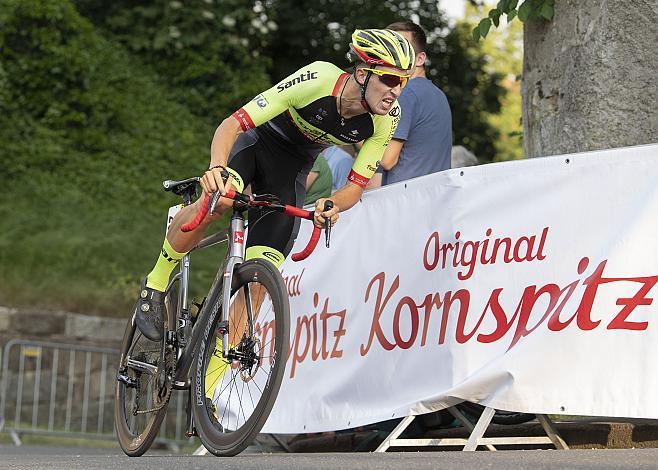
x=216 y=195
x=213 y=202
x=328 y=205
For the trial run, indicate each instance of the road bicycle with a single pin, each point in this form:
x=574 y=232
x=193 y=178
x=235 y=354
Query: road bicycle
x=229 y=360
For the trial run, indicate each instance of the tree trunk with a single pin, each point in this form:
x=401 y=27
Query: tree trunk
x=590 y=77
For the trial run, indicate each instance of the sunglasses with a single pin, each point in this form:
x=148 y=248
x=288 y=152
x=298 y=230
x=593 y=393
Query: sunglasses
x=390 y=79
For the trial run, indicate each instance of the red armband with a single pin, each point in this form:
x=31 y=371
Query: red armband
x=244 y=119
x=357 y=179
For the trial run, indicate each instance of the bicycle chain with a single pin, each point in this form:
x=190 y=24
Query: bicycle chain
x=165 y=402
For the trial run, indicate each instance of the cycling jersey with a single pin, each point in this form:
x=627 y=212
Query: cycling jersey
x=302 y=110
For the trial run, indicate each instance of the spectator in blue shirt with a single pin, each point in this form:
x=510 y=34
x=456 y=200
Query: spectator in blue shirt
x=340 y=162
x=423 y=139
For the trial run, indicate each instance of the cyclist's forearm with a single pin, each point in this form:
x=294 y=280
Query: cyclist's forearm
x=223 y=141
x=347 y=196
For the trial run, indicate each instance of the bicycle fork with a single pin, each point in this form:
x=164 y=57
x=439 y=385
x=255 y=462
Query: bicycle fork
x=236 y=255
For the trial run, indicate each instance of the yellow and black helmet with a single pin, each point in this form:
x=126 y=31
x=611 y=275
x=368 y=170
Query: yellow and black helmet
x=382 y=47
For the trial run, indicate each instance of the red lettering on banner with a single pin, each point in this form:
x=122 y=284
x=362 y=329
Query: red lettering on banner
x=502 y=324
x=293 y=283
x=619 y=322
x=449 y=298
x=309 y=338
x=430 y=301
x=537 y=306
x=413 y=311
x=466 y=255
x=434 y=239
x=526 y=307
x=303 y=323
x=375 y=328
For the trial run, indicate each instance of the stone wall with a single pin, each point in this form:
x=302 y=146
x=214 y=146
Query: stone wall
x=62 y=327
x=589 y=77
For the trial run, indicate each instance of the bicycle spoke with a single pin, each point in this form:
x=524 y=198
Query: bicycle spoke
x=250 y=315
x=251 y=397
x=258 y=324
x=240 y=402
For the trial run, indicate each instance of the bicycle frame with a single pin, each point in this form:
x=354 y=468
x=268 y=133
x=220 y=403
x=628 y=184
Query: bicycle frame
x=178 y=326
x=192 y=340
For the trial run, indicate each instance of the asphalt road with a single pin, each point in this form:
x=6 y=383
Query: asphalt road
x=42 y=458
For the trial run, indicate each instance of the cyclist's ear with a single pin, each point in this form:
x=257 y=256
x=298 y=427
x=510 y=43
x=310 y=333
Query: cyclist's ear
x=360 y=74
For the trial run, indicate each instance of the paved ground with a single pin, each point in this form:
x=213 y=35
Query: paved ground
x=42 y=458
x=590 y=433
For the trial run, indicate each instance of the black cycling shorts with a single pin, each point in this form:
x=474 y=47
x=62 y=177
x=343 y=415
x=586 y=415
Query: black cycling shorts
x=271 y=166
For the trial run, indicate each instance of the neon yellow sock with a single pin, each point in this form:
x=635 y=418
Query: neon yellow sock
x=169 y=258
x=217 y=367
x=265 y=252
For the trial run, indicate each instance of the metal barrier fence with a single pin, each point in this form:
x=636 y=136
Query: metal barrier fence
x=68 y=390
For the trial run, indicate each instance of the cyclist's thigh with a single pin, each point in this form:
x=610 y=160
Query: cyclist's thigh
x=285 y=177
x=241 y=166
x=242 y=159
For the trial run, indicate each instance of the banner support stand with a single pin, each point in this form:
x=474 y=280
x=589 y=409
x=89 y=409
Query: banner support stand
x=476 y=437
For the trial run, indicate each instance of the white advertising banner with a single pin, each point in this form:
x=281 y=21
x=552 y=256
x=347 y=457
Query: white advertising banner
x=527 y=286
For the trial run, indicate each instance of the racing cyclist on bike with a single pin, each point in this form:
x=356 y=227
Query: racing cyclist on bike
x=272 y=142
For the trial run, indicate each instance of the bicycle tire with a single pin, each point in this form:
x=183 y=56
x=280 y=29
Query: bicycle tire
x=505 y=418
x=136 y=433
x=225 y=433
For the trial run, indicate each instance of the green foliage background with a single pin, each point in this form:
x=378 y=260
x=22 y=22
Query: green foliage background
x=101 y=101
x=87 y=134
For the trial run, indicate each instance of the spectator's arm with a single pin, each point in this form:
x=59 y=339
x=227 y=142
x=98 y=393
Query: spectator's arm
x=391 y=154
x=310 y=179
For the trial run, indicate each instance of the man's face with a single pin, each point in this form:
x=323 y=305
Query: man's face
x=382 y=91
x=420 y=57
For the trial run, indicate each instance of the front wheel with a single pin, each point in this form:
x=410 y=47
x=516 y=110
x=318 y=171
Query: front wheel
x=234 y=395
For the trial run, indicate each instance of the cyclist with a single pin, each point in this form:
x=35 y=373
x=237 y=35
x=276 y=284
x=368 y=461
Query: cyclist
x=272 y=141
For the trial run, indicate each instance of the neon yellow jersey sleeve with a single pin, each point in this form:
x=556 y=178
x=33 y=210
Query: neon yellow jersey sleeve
x=373 y=148
x=295 y=91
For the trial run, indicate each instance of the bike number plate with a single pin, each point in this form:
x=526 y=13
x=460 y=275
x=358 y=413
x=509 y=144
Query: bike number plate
x=173 y=210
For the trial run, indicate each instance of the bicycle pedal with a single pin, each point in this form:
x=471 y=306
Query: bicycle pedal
x=127 y=381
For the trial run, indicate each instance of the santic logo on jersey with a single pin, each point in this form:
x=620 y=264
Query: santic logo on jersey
x=260 y=101
x=302 y=78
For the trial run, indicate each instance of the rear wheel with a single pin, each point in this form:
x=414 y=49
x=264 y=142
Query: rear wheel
x=235 y=394
x=143 y=386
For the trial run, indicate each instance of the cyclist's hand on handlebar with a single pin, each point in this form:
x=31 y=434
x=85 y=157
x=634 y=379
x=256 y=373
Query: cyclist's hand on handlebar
x=321 y=216
x=212 y=181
